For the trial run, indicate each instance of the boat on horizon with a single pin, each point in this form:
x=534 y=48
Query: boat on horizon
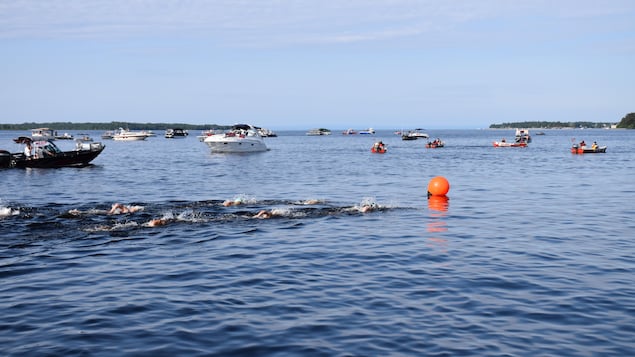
x=414 y=134
x=127 y=135
x=43 y=134
x=176 y=133
x=65 y=136
x=266 y=133
x=523 y=135
x=318 y=132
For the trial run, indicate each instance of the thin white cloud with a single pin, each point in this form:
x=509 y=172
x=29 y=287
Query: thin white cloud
x=274 y=22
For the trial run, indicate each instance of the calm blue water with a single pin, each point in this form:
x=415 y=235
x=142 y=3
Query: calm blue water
x=532 y=255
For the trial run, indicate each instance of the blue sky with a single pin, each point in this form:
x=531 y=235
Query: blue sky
x=286 y=64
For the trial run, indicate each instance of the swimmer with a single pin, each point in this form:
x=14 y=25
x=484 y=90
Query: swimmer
x=368 y=206
x=7 y=211
x=310 y=202
x=235 y=202
x=119 y=208
x=263 y=214
x=156 y=222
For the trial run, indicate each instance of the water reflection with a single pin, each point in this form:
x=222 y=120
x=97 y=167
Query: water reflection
x=438 y=206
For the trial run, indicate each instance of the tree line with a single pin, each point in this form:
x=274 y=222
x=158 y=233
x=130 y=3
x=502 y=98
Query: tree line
x=550 y=125
x=111 y=126
x=628 y=122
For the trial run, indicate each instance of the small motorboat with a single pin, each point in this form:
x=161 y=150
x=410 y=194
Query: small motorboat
x=43 y=134
x=266 y=133
x=523 y=135
x=84 y=138
x=65 y=136
x=414 y=135
x=318 y=132
x=240 y=138
x=504 y=144
x=437 y=143
x=175 y=133
x=378 y=148
x=575 y=149
x=127 y=135
x=45 y=154
x=109 y=134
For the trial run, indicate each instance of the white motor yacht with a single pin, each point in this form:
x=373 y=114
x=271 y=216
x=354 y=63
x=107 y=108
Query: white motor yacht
x=240 y=138
x=127 y=135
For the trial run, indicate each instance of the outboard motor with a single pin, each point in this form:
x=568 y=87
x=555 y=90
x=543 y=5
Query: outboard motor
x=5 y=158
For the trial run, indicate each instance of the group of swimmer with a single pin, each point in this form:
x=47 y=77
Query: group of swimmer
x=120 y=208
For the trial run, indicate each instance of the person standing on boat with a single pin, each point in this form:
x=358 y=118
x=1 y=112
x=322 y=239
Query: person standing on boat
x=27 y=151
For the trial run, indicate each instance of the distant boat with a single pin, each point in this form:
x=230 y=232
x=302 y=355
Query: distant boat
x=43 y=134
x=349 y=132
x=523 y=135
x=85 y=138
x=414 y=135
x=175 y=133
x=108 y=135
x=65 y=136
x=266 y=133
x=318 y=132
x=369 y=131
x=127 y=135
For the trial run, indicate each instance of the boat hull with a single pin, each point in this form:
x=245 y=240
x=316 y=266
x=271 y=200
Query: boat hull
x=509 y=145
x=236 y=146
x=124 y=137
x=76 y=158
x=578 y=150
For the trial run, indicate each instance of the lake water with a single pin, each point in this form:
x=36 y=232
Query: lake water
x=532 y=255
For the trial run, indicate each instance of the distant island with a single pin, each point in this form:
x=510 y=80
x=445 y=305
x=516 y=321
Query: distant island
x=111 y=126
x=628 y=122
x=551 y=125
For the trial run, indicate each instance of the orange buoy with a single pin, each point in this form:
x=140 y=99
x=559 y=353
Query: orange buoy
x=438 y=186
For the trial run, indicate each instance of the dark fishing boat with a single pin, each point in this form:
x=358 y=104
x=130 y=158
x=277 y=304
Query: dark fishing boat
x=45 y=154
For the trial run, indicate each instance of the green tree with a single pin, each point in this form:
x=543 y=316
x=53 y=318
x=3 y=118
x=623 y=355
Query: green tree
x=628 y=122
